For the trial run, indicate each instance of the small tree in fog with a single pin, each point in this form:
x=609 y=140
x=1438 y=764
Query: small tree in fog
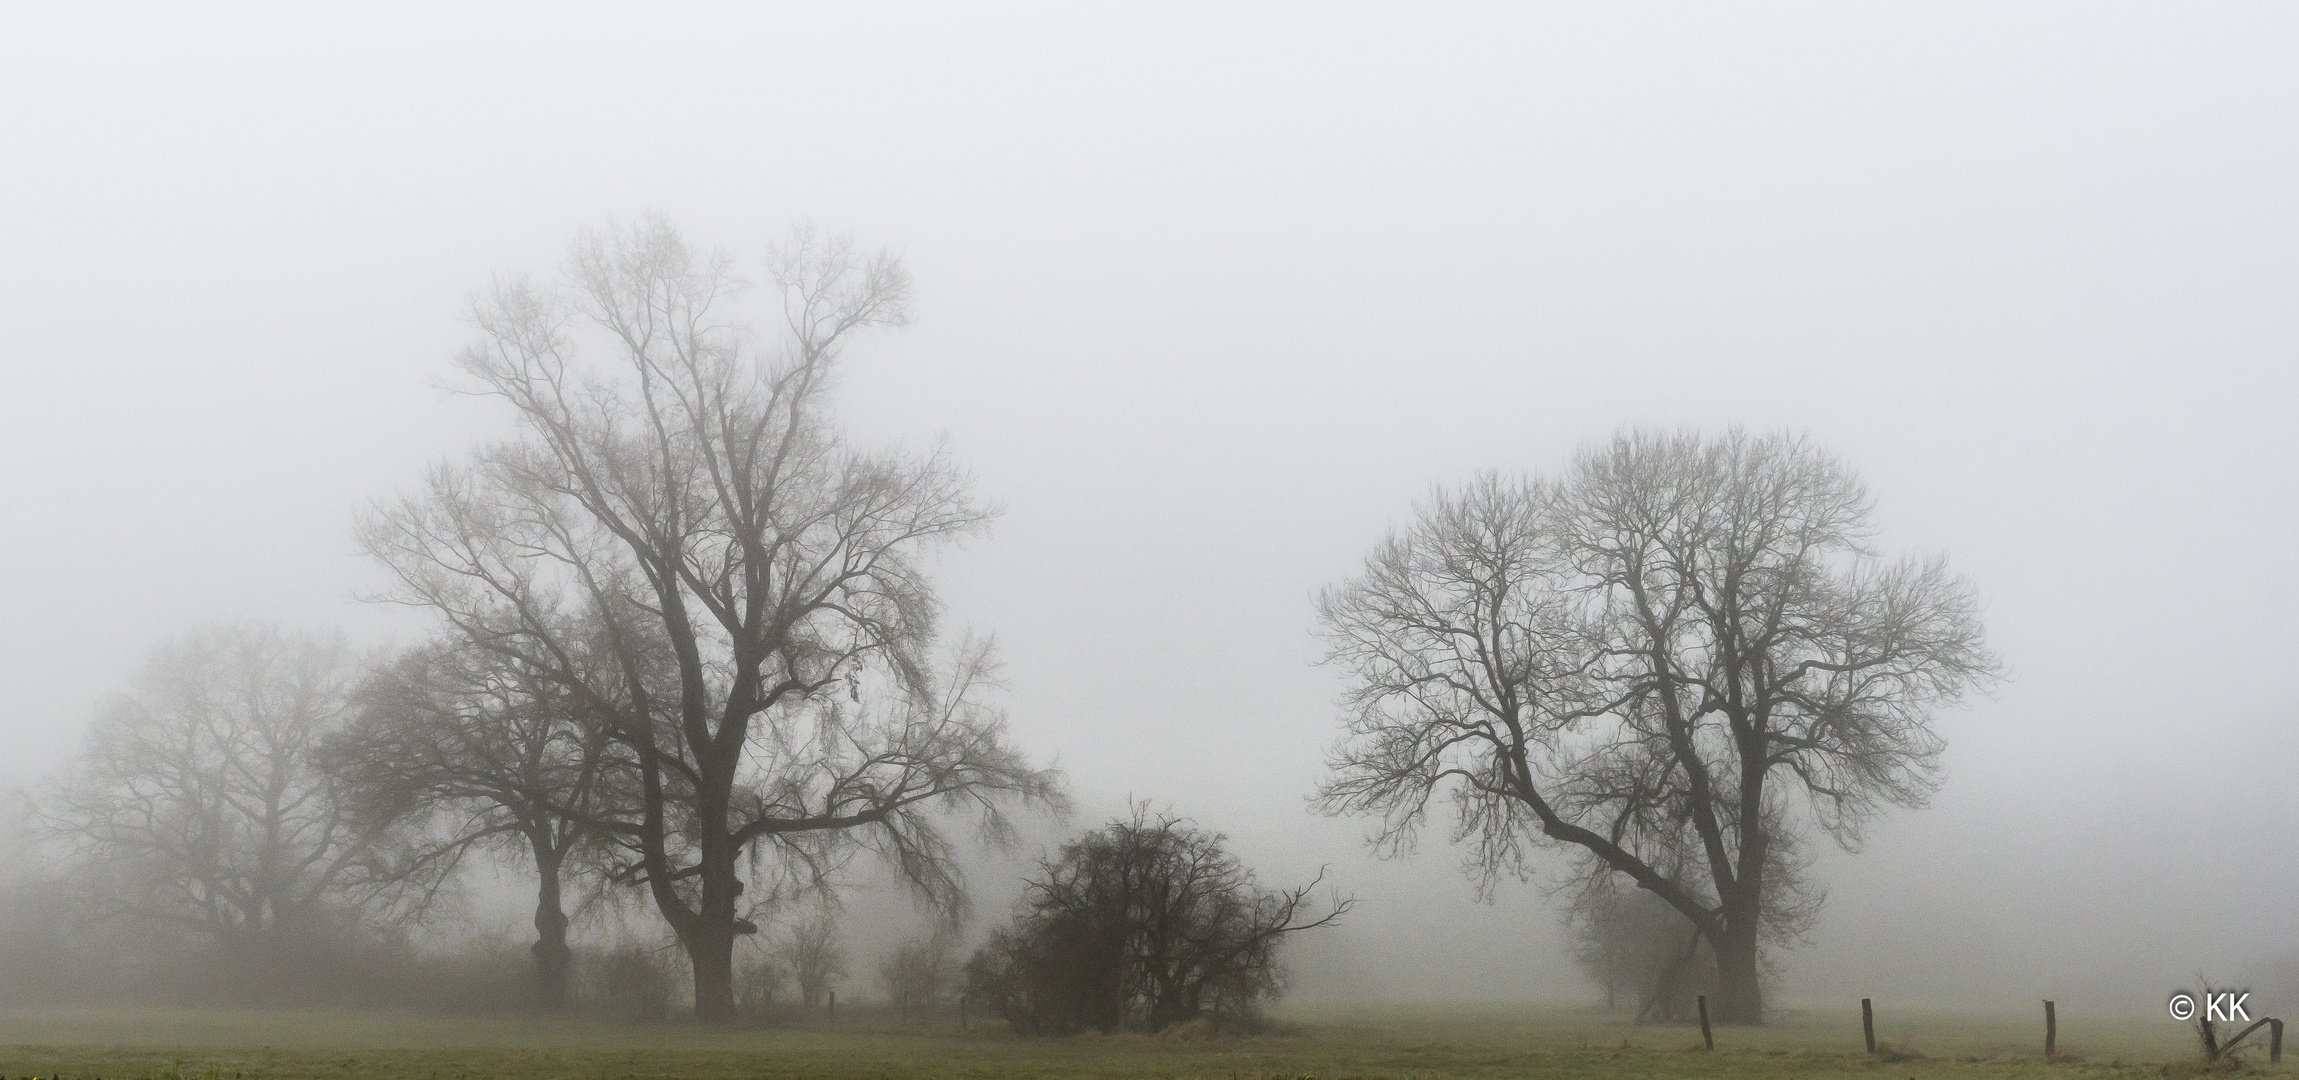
x=918 y=975
x=814 y=959
x=202 y=801
x=1147 y=922
x=37 y=911
x=692 y=494
x=1624 y=662
x=501 y=755
x=1630 y=941
x=635 y=983
x=758 y=982
x=1633 y=943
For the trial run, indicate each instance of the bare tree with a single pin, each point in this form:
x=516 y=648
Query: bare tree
x=694 y=497
x=814 y=957
x=1147 y=921
x=1622 y=662
x=758 y=979
x=919 y=974
x=1630 y=941
x=203 y=792
x=501 y=753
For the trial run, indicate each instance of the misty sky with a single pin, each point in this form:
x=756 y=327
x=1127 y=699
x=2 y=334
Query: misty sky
x=1207 y=298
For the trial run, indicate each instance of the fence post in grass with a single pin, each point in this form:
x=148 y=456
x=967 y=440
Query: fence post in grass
x=1706 y=1039
x=831 y=1013
x=2051 y=1031
x=2274 y=1041
x=1868 y=1023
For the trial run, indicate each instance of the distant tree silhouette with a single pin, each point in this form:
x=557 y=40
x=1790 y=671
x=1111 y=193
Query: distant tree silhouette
x=814 y=958
x=202 y=804
x=918 y=976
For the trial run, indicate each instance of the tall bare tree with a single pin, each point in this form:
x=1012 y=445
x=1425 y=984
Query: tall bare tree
x=498 y=754
x=692 y=494
x=202 y=792
x=1623 y=662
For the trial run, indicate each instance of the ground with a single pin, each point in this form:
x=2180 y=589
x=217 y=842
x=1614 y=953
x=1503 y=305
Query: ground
x=1362 y=1041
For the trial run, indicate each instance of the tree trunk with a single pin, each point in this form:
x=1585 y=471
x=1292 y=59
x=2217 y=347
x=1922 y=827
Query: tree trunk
x=1739 y=999
x=711 y=947
x=711 y=951
x=1736 y=952
x=552 y=956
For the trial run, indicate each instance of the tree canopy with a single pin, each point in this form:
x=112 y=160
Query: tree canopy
x=1670 y=657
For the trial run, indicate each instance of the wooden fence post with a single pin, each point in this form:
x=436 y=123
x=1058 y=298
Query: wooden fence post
x=1868 y=1023
x=2274 y=1041
x=1709 y=1040
x=2051 y=1031
x=832 y=1012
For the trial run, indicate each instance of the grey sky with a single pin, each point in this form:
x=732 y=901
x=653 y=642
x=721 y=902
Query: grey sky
x=1207 y=297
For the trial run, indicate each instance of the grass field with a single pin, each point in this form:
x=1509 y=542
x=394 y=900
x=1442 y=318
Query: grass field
x=1365 y=1041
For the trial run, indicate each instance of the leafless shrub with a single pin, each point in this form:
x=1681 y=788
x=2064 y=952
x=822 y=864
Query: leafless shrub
x=1146 y=923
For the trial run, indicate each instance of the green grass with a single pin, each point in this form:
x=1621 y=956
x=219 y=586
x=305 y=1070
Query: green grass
x=1361 y=1041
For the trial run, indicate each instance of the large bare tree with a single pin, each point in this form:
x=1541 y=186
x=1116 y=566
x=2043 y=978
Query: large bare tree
x=689 y=491
x=203 y=802
x=1683 y=648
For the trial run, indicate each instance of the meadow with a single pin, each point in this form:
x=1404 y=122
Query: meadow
x=1402 y=1041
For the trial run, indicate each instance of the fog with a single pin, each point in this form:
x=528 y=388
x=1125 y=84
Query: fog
x=1208 y=297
